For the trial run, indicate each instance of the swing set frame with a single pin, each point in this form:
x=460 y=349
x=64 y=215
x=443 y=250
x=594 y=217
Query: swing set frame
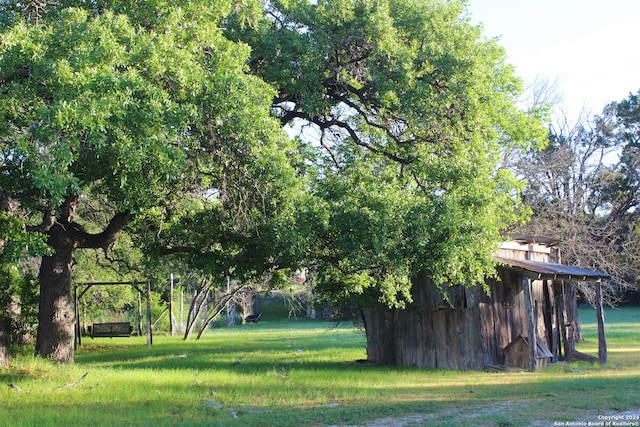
x=81 y=288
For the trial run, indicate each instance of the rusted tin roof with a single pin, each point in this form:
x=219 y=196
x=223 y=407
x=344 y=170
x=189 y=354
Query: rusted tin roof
x=543 y=270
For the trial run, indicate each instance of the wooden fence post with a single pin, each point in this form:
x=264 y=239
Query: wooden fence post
x=78 y=341
x=139 y=313
x=149 y=334
x=171 y=318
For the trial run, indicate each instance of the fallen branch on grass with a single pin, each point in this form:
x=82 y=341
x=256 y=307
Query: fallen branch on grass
x=15 y=387
x=72 y=384
x=75 y=383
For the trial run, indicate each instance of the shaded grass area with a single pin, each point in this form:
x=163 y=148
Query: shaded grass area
x=286 y=372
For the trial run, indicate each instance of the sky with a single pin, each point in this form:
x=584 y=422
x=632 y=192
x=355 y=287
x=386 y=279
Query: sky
x=590 y=47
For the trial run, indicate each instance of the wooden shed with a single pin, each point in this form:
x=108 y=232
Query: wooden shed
x=532 y=299
x=470 y=329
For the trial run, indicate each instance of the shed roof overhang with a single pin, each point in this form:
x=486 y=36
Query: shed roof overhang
x=550 y=271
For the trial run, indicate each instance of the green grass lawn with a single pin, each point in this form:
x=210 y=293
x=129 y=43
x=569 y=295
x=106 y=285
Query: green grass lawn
x=303 y=373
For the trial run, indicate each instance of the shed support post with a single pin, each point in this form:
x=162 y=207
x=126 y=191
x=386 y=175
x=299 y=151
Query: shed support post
x=602 y=340
x=533 y=344
x=554 y=334
x=568 y=330
x=562 y=324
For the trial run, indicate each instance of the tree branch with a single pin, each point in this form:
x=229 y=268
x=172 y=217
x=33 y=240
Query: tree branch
x=48 y=221
x=104 y=239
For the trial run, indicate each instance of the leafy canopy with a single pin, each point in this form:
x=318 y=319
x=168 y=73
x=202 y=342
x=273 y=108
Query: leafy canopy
x=138 y=105
x=408 y=110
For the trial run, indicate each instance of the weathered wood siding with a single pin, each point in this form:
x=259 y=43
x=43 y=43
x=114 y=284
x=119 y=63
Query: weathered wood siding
x=503 y=314
x=517 y=354
x=429 y=333
x=469 y=329
x=528 y=251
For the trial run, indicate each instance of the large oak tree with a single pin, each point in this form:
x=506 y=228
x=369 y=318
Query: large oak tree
x=408 y=110
x=135 y=104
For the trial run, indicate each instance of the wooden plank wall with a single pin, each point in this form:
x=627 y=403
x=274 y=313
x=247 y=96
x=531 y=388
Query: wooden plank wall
x=439 y=337
x=503 y=315
x=379 y=331
x=426 y=336
x=526 y=251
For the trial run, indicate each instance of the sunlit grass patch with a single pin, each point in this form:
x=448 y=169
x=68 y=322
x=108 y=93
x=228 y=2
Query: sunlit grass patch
x=301 y=372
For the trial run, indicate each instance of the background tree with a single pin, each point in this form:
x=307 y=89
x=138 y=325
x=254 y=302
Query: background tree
x=135 y=110
x=18 y=293
x=625 y=193
x=409 y=111
x=583 y=191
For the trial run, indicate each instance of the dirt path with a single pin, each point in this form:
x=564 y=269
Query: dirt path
x=478 y=415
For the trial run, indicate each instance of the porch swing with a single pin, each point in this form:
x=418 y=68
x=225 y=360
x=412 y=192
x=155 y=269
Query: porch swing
x=110 y=329
x=113 y=329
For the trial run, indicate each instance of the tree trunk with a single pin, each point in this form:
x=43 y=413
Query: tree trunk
x=4 y=350
x=198 y=303
x=217 y=309
x=56 y=318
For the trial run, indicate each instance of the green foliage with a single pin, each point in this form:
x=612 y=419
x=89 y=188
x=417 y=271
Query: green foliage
x=377 y=228
x=137 y=107
x=150 y=108
x=142 y=107
x=132 y=114
x=85 y=101
x=16 y=243
x=18 y=282
x=412 y=111
x=19 y=303
x=625 y=194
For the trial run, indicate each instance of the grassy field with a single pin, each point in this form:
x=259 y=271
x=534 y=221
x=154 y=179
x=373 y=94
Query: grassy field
x=302 y=373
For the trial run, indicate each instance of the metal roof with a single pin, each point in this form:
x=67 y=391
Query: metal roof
x=544 y=270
